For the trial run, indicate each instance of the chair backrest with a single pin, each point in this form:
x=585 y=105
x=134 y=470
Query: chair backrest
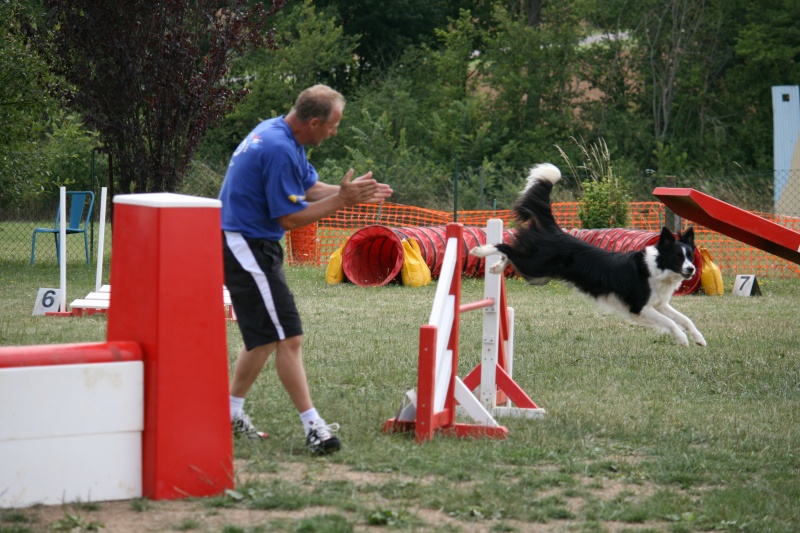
x=77 y=207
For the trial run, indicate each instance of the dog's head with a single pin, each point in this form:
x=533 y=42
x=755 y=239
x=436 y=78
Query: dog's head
x=676 y=254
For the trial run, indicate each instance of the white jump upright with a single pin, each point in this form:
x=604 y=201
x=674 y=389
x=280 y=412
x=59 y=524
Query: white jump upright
x=62 y=257
x=432 y=406
x=101 y=239
x=492 y=378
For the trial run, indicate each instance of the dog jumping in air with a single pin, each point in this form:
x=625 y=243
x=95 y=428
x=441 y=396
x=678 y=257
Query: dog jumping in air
x=636 y=285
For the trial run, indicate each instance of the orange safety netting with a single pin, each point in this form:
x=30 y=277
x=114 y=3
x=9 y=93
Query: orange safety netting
x=315 y=243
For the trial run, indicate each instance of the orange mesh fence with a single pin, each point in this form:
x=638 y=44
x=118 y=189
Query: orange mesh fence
x=735 y=257
x=314 y=244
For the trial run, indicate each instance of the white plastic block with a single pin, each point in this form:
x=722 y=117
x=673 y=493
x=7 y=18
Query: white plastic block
x=71 y=433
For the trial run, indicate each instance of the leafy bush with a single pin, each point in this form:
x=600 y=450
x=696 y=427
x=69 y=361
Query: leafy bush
x=604 y=196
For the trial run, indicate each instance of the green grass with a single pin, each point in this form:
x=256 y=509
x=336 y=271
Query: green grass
x=641 y=434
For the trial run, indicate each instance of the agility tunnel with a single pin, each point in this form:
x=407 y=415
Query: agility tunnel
x=374 y=255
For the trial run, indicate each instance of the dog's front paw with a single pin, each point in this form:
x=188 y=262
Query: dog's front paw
x=682 y=339
x=699 y=339
x=483 y=251
x=499 y=267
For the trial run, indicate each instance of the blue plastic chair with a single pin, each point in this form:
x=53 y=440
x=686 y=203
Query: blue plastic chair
x=77 y=220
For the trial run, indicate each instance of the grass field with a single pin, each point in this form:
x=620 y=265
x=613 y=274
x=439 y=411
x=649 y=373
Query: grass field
x=641 y=434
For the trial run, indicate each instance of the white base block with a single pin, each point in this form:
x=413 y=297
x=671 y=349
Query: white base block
x=71 y=433
x=69 y=469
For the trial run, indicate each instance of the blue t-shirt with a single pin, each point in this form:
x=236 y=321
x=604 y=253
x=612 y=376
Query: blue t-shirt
x=268 y=176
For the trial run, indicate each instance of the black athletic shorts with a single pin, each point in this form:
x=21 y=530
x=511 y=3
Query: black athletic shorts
x=265 y=308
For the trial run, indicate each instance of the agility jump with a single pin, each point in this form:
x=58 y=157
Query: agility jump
x=432 y=407
x=144 y=414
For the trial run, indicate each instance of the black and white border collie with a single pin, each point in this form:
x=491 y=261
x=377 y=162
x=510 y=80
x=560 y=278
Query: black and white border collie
x=637 y=285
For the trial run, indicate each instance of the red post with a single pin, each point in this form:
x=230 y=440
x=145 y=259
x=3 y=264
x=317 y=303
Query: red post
x=426 y=384
x=167 y=281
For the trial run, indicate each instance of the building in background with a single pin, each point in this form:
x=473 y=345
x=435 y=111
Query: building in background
x=786 y=120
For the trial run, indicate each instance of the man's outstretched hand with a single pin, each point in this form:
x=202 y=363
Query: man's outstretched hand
x=363 y=190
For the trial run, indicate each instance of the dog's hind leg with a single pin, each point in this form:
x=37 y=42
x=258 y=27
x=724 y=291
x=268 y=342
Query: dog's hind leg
x=649 y=316
x=684 y=322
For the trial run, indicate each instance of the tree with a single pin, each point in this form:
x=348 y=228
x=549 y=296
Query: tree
x=24 y=100
x=767 y=53
x=312 y=49
x=385 y=30
x=529 y=73
x=146 y=74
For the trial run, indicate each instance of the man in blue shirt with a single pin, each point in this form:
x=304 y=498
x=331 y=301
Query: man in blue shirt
x=271 y=188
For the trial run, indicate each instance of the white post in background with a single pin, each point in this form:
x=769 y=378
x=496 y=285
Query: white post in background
x=101 y=239
x=62 y=256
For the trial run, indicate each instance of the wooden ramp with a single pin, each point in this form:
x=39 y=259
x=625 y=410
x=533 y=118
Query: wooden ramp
x=732 y=221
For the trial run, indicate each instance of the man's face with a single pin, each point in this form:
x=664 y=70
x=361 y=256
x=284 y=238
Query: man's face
x=320 y=131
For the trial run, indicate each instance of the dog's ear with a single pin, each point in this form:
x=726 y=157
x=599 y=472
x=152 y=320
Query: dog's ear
x=687 y=237
x=666 y=237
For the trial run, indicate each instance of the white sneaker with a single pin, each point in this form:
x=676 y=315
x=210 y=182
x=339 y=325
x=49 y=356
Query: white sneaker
x=319 y=438
x=243 y=427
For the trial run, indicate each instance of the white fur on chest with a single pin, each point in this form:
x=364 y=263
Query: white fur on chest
x=663 y=283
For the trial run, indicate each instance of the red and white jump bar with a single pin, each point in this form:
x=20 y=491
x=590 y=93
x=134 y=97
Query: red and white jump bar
x=145 y=413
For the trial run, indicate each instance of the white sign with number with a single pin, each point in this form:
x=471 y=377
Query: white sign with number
x=746 y=285
x=47 y=301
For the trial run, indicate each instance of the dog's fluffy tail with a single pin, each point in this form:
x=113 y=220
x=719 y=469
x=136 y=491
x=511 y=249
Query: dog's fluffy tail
x=542 y=172
x=533 y=204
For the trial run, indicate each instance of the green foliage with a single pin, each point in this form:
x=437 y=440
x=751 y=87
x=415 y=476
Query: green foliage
x=312 y=49
x=74 y=522
x=147 y=76
x=385 y=30
x=24 y=101
x=604 y=201
x=492 y=86
x=413 y=177
x=489 y=185
x=327 y=523
x=70 y=145
x=528 y=71
x=604 y=204
x=681 y=88
x=391 y=518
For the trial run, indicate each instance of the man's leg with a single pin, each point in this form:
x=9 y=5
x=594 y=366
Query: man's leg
x=292 y=372
x=249 y=364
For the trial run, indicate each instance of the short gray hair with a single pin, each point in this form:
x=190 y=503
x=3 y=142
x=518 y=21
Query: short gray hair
x=317 y=101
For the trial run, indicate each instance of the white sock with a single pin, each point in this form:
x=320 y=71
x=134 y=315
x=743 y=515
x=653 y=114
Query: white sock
x=307 y=417
x=237 y=406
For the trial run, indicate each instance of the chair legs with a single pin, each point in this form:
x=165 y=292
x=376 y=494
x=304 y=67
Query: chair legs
x=86 y=248
x=58 y=248
x=33 y=247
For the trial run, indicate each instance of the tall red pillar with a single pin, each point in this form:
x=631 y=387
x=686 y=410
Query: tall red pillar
x=166 y=294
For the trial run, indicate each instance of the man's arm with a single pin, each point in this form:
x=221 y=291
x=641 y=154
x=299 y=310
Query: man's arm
x=321 y=190
x=325 y=199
